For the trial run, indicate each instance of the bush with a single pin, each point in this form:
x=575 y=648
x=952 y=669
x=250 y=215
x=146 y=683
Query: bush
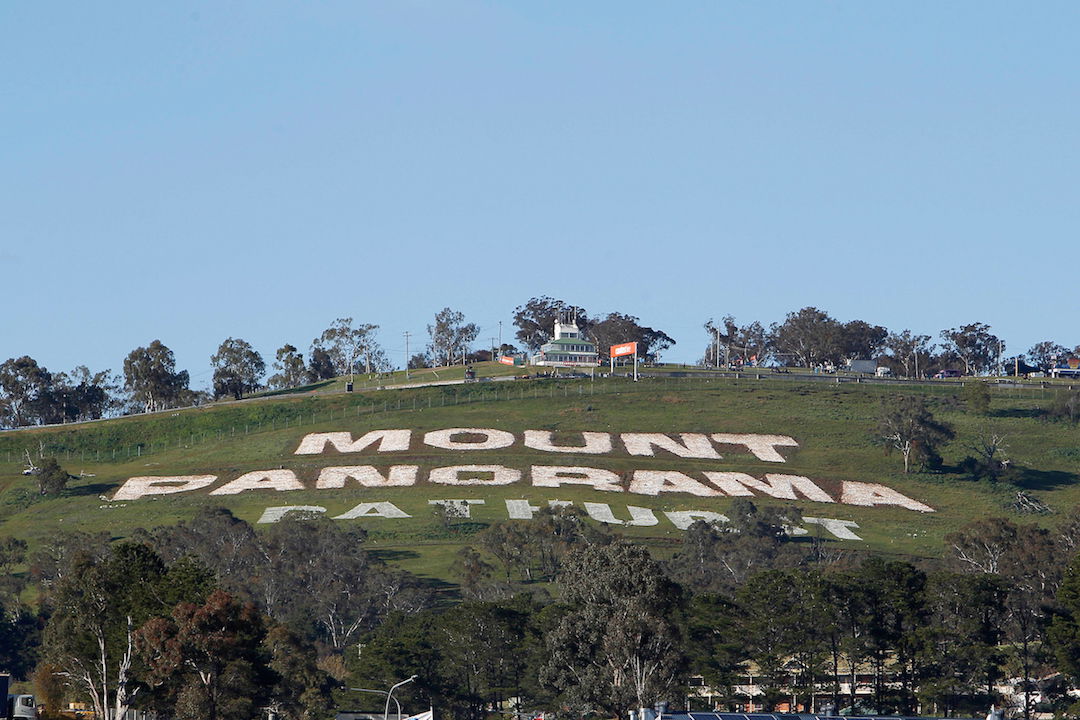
x=977 y=397
x=1066 y=406
x=52 y=479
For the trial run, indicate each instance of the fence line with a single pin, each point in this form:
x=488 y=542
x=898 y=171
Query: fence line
x=479 y=394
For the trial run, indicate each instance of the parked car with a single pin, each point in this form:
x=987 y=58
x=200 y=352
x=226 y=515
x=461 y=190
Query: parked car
x=942 y=374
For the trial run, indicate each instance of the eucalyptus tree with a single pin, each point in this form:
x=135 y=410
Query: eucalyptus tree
x=905 y=424
x=150 y=376
x=975 y=345
x=809 y=335
x=450 y=336
x=305 y=571
x=89 y=395
x=24 y=387
x=480 y=675
x=290 y=367
x=907 y=349
x=205 y=660
x=1026 y=557
x=535 y=320
x=615 y=328
x=860 y=339
x=1042 y=355
x=723 y=335
x=95 y=612
x=346 y=345
x=619 y=645
x=19 y=627
x=238 y=368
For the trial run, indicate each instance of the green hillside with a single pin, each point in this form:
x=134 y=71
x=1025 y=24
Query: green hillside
x=834 y=426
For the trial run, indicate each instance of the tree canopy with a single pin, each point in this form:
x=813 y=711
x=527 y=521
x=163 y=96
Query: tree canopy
x=237 y=368
x=617 y=328
x=535 y=320
x=150 y=376
x=450 y=336
x=345 y=346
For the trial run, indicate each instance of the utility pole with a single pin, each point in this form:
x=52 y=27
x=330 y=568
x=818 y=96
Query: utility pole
x=717 y=358
x=493 y=349
x=406 y=354
x=500 y=336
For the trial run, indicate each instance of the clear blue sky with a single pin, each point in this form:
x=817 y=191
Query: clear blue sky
x=193 y=171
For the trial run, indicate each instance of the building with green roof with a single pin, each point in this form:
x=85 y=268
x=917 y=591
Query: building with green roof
x=568 y=348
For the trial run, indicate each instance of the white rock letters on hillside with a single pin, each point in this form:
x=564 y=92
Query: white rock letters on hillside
x=524 y=510
x=641 y=482
x=705 y=483
x=684 y=445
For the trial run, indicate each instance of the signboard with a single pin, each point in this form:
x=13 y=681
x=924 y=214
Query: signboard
x=629 y=348
x=506 y=360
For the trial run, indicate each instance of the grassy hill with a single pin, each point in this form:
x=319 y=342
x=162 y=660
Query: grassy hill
x=833 y=425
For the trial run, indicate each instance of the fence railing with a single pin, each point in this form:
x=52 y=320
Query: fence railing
x=462 y=394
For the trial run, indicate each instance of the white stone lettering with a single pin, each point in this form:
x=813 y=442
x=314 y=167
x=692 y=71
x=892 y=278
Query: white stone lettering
x=458 y=508
x=785 y=487
x=650 y=482
x=373 y=509
x=654 y=482
x=520 y=510
x=493 y=439
x=762 y=446
x=735 y=484
x=777 y=486
x=839 y=528
x=279 y=480
x=471 y=475
x=693 y=445
x=596 y=443
x=389 y=441
x=137 y=487
x=870 y=494
x=367 y=476
x=639 y=516
x=556 y=476
x=683 y=519
x=525 y=510
x=274 y=514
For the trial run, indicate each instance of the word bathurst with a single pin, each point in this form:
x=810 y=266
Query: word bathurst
x=641 y=482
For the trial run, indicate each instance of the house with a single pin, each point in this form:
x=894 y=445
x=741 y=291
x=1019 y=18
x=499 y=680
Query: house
x=568 y=347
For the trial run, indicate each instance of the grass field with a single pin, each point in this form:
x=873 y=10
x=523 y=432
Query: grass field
x=833 y=424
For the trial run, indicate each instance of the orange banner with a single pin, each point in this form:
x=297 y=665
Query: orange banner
x=506 y=360
x=629 y=348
